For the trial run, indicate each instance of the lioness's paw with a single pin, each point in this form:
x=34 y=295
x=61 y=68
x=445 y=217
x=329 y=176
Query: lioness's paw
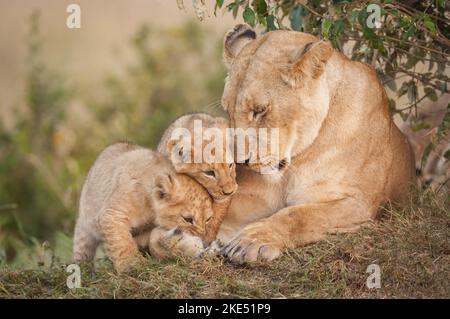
x=250 y=246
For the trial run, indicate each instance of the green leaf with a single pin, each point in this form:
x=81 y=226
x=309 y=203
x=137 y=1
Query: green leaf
x=403 y=89
x=390 y=82
x=442 y=87
x=249 y=16
x=429 y=24
x=410 y=32
x=440 y=68
x=296 y=18
x=326 y=26
x=270 y=19
x=234 y=8
x=260 y=7
x=354 y=16
x=392 y=105
x=412 y=92
x=219 y=3
x=431 y=93
x=338 y=27
x=420 y=126
x=389 y=69
x=411 y=62
x=362 y=18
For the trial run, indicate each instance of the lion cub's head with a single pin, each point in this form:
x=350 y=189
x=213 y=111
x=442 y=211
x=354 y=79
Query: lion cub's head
x=276 y=81
x=181 y=203
x=205 y=155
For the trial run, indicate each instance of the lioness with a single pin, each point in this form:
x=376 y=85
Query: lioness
x=217 y=175
x=341 y=155
x=130 y=191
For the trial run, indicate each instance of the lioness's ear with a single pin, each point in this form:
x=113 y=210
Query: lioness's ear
x=164 y=186
x=235 y=40
x=309 y=62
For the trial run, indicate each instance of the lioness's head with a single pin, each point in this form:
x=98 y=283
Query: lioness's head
x=276 y=81
x=181 y=203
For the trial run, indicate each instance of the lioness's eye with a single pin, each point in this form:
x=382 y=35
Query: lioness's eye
x=210 y=173
x=188 y=220
x=209 y=219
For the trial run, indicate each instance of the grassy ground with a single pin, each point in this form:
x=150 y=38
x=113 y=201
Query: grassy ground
x=411 y=245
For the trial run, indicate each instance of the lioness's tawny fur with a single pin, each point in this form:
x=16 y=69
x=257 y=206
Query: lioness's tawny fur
x=341 y=154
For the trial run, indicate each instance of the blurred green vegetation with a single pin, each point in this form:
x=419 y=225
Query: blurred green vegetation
x=56 y=137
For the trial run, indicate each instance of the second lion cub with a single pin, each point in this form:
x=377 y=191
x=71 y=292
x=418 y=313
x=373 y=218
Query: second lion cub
x=217 y=176
x=131 y=189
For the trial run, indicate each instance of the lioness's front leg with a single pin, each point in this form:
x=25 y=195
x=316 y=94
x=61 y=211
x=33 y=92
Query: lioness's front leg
x=295 y=226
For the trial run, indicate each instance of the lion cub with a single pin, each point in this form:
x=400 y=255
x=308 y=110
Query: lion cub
x=131 y=190
x=217 y=176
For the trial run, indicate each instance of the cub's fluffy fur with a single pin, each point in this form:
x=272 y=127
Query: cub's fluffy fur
x=218 y=177
x=129 y=191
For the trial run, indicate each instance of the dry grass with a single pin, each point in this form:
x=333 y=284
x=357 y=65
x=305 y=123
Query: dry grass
x=411 y=245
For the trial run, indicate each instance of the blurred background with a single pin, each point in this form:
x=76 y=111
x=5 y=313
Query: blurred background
x=65 y=94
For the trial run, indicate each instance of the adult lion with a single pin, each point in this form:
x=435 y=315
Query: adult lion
x=341 y=155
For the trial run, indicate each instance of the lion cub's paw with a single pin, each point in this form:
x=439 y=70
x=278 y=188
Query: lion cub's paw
x=165 y=243
x=130 y=264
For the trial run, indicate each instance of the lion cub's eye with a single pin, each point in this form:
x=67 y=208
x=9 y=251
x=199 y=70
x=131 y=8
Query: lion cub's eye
x=210 y=173
x=259 y=111
x=209 y=219
x=189 y=220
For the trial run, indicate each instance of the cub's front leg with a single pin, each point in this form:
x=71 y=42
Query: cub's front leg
x=220 y=209
x=119 y=243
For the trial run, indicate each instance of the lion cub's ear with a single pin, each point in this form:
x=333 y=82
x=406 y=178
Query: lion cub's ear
x=235 y=40
x=177 y=153
x=309 y=62
x=164 y=186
